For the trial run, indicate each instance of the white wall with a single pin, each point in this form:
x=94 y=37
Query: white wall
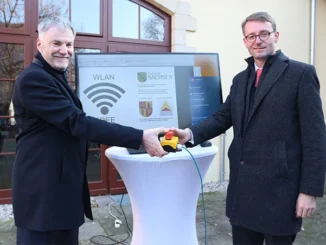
x=320 y=52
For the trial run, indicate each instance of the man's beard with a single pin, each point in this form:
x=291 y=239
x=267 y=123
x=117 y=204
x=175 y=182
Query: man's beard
x=60 y=68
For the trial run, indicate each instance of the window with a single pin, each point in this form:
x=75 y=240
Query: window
x=122 y=26
x=84 y=15
x=152 y=26
x=89 y=23
x=53 y=7
x=11 y=64
x=12 y=14
x=141 y=23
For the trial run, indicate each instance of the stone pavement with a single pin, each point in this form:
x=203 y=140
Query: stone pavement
x=218 y=228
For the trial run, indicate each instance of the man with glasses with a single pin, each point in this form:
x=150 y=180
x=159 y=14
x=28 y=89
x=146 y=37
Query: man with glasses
x=277 y=156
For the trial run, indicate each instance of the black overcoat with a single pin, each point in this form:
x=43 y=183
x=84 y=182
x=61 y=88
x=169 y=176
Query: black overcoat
x=50 y=189
x=279 y=147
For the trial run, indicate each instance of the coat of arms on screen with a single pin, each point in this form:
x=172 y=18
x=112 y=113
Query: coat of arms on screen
x=166 y=109
x=142 y=76
x=145 y=108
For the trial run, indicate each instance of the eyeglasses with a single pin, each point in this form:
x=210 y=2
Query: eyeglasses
x=262 y=36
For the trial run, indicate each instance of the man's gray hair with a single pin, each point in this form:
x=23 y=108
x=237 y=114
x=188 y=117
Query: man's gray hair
x=49 y=21
x=259 y=16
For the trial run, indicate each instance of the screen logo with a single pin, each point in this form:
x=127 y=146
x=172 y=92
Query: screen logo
x=166 y=109
x=104 y=95
x=142 y=77
x=145 y=108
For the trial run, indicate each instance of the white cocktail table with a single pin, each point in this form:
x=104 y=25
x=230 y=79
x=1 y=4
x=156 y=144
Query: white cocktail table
x=163 y=193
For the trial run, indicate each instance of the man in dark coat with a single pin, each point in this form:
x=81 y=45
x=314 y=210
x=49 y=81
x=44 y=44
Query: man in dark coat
x=277 y=156
x=50 y=191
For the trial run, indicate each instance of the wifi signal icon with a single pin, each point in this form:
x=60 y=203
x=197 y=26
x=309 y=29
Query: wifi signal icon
x=104 y=95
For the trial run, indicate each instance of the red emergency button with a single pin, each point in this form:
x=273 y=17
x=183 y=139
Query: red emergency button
x=169 y=135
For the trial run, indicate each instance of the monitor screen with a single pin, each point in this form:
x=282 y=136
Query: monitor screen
x=147 y=90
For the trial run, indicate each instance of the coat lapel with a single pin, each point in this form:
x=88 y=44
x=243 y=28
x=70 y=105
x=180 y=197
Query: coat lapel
x=240 y=104
x=71 y=94
x=273 y=74
x=59 y=77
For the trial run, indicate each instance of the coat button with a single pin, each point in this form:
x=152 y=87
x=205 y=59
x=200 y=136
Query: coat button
x=242 y=163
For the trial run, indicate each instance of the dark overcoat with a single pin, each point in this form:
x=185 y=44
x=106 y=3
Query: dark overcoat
x=50 y=189
x=279 y=146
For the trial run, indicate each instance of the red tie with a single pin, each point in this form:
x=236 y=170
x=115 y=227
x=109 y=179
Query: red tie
x=258 y=73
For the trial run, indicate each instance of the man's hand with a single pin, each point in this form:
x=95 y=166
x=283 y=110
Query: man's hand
x=151 y=142
x=183 y=134
x=306 y=206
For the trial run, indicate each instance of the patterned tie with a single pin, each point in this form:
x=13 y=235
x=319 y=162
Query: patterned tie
x=258 y=73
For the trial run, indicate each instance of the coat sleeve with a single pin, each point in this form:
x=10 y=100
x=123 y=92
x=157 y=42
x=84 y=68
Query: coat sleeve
x=215 y=125
x=313 y=134
x=39 y=94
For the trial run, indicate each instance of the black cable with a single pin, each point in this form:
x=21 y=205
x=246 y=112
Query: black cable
x=108 y=237
x=112 y=239
x=124 y=212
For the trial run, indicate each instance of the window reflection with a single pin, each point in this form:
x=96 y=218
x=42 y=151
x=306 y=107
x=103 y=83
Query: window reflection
x=12 y=14
x=8 y=131
x=6 y=163
x=53 y=7
x=152 y=26
x=11 y=65
x=125 y=19
x=90 y=24
x=93 y=170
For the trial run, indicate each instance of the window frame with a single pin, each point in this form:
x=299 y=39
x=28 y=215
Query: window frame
x=165 y=16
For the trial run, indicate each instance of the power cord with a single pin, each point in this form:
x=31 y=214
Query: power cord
x=117 y=223
x=124 y=212
x=96 y=239
x=202 y=193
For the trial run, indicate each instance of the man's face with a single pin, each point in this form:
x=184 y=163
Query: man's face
x=56 y=47
x=260 y=49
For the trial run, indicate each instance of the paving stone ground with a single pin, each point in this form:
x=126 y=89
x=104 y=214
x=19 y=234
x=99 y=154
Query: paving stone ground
x=218 y=228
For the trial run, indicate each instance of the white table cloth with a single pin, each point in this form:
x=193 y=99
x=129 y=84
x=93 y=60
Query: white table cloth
x=163 y=193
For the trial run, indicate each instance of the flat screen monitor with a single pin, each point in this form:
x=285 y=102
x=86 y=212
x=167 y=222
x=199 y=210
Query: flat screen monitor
x=147 y=90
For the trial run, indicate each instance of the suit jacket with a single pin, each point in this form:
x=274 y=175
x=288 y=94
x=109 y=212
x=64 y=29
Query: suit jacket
x=278 y=149
x=50 y=189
